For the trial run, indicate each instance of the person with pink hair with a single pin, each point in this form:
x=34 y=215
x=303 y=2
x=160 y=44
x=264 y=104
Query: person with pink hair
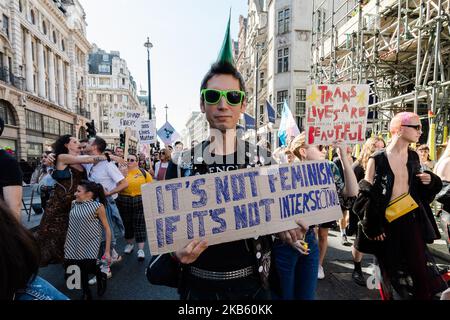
x=397 y=218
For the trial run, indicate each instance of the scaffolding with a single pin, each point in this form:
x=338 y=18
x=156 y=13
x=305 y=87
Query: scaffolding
x=401 y=48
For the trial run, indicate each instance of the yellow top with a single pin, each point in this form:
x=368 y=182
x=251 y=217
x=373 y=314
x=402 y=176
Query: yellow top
x=135 y=181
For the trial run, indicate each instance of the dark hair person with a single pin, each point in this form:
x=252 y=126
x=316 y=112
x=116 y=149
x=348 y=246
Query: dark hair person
x=19 y=264
x=87 y=219
x=68 y=174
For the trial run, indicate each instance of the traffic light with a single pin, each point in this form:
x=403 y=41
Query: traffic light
x=91 y=129
x=122 y=140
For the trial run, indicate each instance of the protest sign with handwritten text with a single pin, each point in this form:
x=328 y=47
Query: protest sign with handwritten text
x=336 y=112
x=147 y=132
x=239 y=204
x=122 y=119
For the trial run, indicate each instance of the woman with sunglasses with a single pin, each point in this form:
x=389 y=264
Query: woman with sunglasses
x=130 y=207
x=162 y=165
x=297 y=269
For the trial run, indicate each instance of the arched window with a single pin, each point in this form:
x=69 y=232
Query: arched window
x=32 y=17
x=6 y=112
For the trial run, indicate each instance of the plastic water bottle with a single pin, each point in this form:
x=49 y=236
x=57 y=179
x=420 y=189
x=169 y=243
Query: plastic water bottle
x=104 y=265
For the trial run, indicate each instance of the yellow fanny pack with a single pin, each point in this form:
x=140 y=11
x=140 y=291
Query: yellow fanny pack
x=400 y=206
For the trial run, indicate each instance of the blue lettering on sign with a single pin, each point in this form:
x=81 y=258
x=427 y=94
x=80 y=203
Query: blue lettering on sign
x=298 y=205
x=174 y=188
x=330 y=174
x=201 y=221
x=160 y=232
x=171 y=228
x=251 y=176
x=312 y=174
x=240 y=216
x=305 y=203
x=222 y=190
x=305 y=175
x=253 y=214
x=283 y=178
x=286 y=212
x=160 y=200
x=272 y=180
x=297 y=177
x=311 y=196
x=238 y=186
x=323 y=174
x=189 y=226
x=266 y=203
x=215 y=217
x=196 y=191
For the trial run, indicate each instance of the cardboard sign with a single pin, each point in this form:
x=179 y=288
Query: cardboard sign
x=336 y=112
x=241 y=204
x=122 y=119
x=147 y=132
x=168 y=134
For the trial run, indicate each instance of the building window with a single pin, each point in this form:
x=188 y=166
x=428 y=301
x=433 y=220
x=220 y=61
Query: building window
x=34 y=121
x=284 y=18
x=261 y=80
x=20 y=6
x=300 y=102
x=51 y=125
x=123 y=81
x=32 y=17
x=105 y=57
x=104 y=68
x=119 y=98
x=6 y=25
x=281 y=96
x=105 y=82
x=283 y=60
x=44 y=27
x=6 y=113
x=63 y=46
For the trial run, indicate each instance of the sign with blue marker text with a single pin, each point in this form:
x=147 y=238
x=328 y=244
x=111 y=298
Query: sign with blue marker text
x=241 y=204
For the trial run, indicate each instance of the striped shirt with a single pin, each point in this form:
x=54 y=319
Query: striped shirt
x=84 y=234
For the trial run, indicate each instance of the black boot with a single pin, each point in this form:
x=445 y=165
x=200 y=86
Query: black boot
x=358 y=276
x=101 y=283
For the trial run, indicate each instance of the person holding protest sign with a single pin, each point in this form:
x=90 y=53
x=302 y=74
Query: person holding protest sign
x=130 y=207
x=297 y=270
x=394 y=200
x=237 y=270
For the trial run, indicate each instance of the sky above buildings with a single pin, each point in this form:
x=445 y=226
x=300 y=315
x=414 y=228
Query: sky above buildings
x=186 y=38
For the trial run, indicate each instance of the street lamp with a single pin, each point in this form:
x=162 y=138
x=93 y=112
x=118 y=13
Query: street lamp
x=149 y=45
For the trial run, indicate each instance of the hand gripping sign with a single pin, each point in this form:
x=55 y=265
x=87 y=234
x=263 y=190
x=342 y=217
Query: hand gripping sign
x=242 y=204
x=336 y=112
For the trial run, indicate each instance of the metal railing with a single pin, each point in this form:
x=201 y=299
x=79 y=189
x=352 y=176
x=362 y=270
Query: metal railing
x=83 y=112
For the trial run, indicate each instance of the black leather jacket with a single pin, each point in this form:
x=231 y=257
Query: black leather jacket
x=373 y=199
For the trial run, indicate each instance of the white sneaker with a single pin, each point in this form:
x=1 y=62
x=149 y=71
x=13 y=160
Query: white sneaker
x=129 y=248
x=93 y=281
x=141 y=255
x=321 y=273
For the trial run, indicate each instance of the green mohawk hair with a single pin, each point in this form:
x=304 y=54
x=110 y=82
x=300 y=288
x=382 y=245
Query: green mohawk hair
x=226 y=53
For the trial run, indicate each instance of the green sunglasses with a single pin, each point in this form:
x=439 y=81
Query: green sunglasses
x=213 y=96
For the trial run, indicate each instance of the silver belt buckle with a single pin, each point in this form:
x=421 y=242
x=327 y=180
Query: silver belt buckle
x=214 y=275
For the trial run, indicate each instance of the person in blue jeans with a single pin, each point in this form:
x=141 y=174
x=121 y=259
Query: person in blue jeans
x=20 y=262
x=298 y=268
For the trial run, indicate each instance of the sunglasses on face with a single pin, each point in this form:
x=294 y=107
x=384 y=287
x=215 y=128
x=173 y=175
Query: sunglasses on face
x=418 y=127
x=131 y=160
x=213 y=96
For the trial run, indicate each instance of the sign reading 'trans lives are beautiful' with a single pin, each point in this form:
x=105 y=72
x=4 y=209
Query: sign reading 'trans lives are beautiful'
x=242 y=204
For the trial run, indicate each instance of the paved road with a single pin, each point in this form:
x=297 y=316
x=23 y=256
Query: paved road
x=129 y=281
